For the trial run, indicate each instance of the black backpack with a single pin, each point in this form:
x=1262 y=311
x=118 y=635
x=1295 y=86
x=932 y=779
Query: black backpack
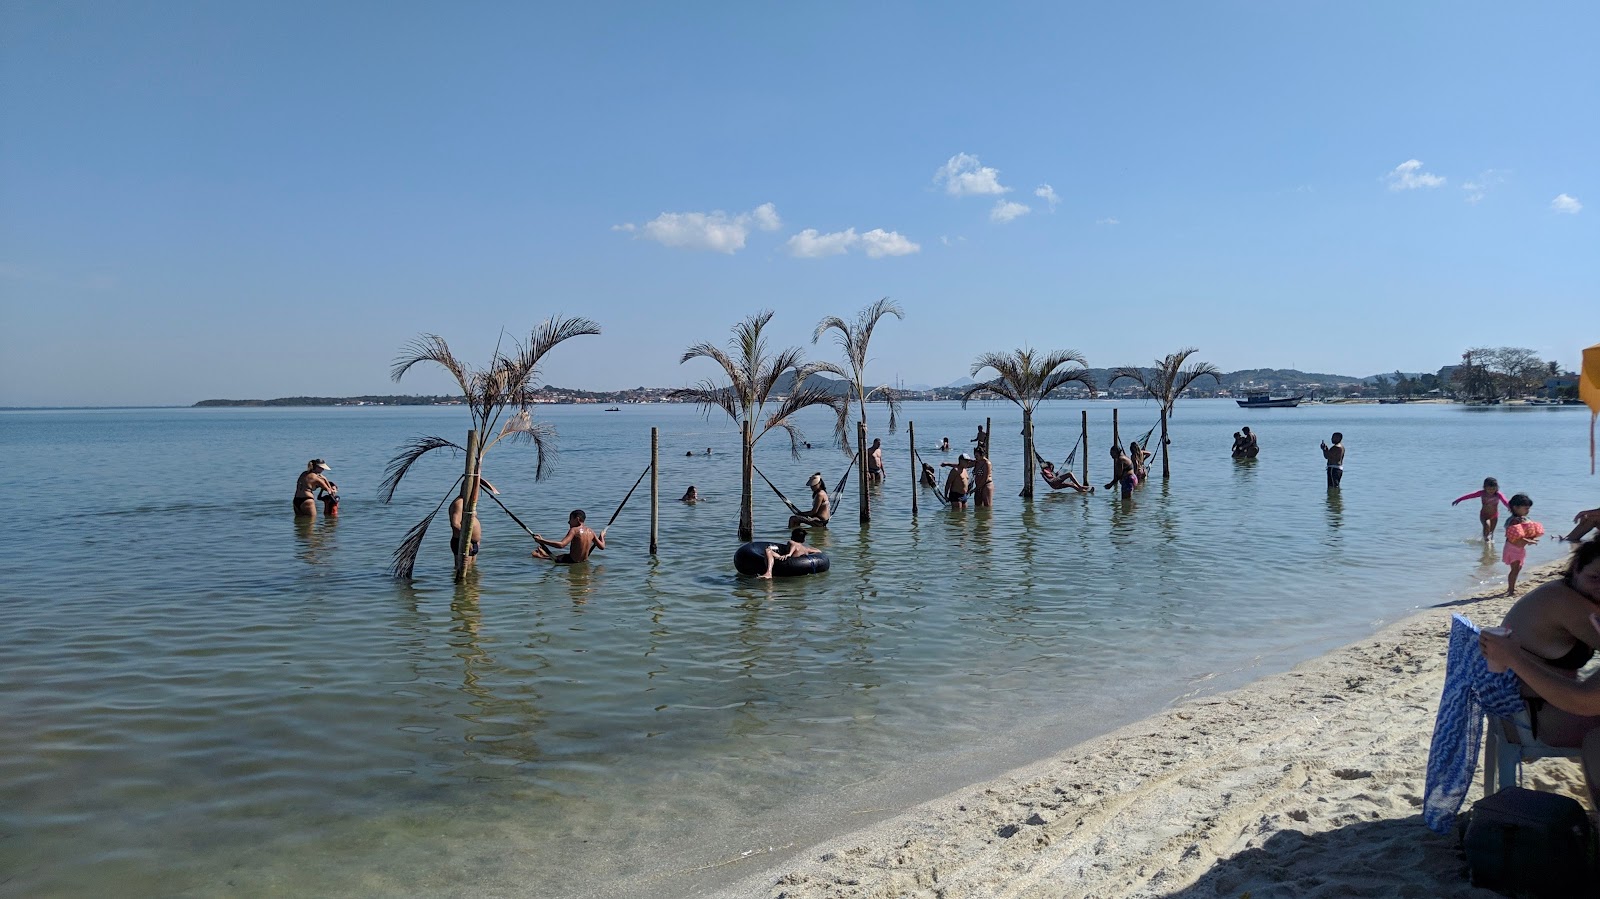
x=1527 y=843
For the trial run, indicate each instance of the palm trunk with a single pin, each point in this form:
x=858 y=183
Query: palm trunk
x=1166 y=448
x=747 y=527
x=1027 y=453
x=469 y=507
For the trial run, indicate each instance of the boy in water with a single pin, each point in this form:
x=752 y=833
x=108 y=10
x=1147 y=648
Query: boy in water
x=1489 y=513
x=797 y=547
x=579 y=542
x=1335 y=457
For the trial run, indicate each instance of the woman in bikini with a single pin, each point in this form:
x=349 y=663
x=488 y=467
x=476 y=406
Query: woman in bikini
x=305 y=489
x=1553 y=634
x=1062 y=481
x=982 y=476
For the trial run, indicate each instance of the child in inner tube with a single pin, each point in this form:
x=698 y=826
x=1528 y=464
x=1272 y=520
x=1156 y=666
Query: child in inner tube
x=797 y=547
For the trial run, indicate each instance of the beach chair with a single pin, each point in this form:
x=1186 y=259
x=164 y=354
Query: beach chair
x=1507 y=743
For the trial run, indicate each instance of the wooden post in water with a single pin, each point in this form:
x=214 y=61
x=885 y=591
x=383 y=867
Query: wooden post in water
x=1166 y=469
x=1116 y=434
x=988 y=438
x=861 y=471
x=655 y=487
x=916 y=476
x=747 y=527
x=1086 y=447
x=469 y=507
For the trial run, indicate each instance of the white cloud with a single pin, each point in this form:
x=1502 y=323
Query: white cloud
x=949 y=241
x=809 y=244
x=877 y=243
x=1108 y=221
x=716 y=231
x=1567 y=204
x=1409 y=175
x=1479 y=186
x=881 y=243
x=1048 y=194
x=965 y=176
x=1006 y=210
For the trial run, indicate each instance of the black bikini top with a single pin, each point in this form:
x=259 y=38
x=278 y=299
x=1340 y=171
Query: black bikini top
x=1575 y=658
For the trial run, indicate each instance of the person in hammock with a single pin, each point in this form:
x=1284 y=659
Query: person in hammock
x=821 y=510
x=930 y=476
x=579 y=542
x=1140 y=458
x=1062 y=481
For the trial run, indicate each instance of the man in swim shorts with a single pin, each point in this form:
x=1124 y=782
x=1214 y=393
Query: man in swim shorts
x=955 y=483
x=1123 y=474
x=579 y=542
x=875 y=460
x=1335 y=456
x=457 y=506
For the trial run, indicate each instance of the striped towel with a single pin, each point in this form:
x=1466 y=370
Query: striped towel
x=1470 y=690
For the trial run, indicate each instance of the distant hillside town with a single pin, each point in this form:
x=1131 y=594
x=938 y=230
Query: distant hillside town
x=1485 y=374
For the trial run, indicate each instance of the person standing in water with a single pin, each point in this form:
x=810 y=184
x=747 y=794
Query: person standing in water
x=875 y=461
x=1489 y=512
x=306 y=487
x=956 y=486
x=982 y=474
x=1123 y=474
x=457 y=506
x=1252 y=446
x=1335 y=459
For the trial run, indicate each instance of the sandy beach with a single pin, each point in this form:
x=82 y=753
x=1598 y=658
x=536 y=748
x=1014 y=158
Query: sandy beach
x=1306 y=783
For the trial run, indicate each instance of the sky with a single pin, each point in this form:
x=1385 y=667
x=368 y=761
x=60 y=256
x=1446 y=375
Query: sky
x=253 y=200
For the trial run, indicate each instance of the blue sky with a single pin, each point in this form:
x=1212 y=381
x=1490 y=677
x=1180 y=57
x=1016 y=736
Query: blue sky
x=256 y=200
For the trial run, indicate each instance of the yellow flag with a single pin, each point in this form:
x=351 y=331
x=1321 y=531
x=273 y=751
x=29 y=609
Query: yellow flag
x=1589 y=392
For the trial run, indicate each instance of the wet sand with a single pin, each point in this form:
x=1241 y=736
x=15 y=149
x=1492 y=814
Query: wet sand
x=1303 y=784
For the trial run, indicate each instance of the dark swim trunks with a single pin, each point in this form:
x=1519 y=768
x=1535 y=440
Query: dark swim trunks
x=455 y=546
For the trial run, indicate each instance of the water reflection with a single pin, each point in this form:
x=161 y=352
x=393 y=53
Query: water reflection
x=1335 y=508
x=314 y=543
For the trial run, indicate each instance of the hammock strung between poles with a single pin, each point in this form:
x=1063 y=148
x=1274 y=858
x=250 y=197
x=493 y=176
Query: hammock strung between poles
x=936 y=491
x=614 y=515
x=1071 y=457
x=792 y=507
x=838 y=491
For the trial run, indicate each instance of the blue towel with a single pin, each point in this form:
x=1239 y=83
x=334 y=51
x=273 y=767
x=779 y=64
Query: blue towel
x=1470 y=690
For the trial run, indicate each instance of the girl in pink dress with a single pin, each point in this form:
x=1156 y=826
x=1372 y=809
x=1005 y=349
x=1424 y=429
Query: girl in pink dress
x=1521 y=533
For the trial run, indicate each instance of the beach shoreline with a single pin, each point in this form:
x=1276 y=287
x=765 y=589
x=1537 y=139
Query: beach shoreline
x=1307 y=782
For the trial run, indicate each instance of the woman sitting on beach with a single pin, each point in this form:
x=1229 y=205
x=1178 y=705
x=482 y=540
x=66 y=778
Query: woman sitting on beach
x=1554 y=631
x=1062 y=481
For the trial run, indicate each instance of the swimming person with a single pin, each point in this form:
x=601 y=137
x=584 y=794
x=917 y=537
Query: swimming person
x=1520 y=534
x=579 y=542
x=1335 y=458
x=944 y=445
x=875 y=460
x=1063 y=481
x=306 y=486
x=956 y=485
x=1123 y=474
x=456 y=506
x=797 y=547
x=982 y=440
x=821 y=509
x=690 y=496
x=1489 y=512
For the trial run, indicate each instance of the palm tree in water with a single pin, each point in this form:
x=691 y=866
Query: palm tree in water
x=753 y=374
x=499 y=399
x=1027 y=378
x=853 y=339
x=1165 y=383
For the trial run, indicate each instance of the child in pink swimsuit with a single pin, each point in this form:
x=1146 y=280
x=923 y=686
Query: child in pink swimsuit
x=1520 y=534
x=1489 y=513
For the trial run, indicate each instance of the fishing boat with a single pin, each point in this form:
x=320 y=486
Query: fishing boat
x=1264 y=401
x=613 y=409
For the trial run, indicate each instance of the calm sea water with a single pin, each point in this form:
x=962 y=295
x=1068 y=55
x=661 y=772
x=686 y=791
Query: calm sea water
x=202 y=696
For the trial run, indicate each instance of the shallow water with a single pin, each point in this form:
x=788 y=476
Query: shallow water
x=202 y=696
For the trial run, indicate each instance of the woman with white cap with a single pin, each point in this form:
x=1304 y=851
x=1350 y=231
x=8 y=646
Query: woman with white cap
x=820 y=512
x=305 y=489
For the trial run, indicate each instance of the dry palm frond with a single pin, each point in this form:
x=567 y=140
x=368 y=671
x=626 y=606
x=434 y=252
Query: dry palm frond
x=410 y=452
x=430 y=348
x=708 y=395
x=543 y=437
x=404 y=561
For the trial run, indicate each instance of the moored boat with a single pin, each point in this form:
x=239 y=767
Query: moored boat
x=1264 y=401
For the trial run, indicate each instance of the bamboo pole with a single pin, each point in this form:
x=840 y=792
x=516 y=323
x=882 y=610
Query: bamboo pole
x=1086 y=446
x=861 y=471
x=655 y=487
x=747 y=527
x=469 y=507
x=1166 y=451
x=916 y=476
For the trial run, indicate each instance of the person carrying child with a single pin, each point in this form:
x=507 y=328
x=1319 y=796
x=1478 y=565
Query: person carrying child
x=1521 y=533
x=1489 y=512
x=797 y=547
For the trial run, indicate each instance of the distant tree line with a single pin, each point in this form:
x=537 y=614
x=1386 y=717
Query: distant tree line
x=1503 y=371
